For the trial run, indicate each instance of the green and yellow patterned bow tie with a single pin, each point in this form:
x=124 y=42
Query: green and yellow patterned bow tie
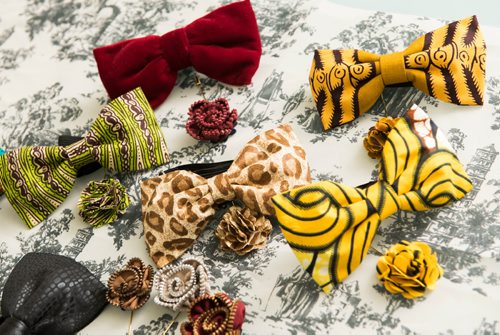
x=447 y=63
x=330 y=226
x=125 y=137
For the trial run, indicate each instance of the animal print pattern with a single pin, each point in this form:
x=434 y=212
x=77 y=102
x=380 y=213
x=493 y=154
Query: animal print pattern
x=177 y=206
x=330 y=226
x=447 y=63
x=125 y=137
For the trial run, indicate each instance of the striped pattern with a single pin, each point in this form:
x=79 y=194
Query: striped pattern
x=447 y=63
x=125 y=137
x=330 y=226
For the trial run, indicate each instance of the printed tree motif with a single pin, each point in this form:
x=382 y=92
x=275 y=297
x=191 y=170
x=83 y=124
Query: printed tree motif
x=46 y=238
x=10 y=58
x=492 y=89
x=157 y=326
x=38 y=119
x=76 y=27
x=364 y=317
x=395 y=301
x=129 y=224
x=311 y=122
x=454 y=261
x=404 y=226
x=318 y=176
x=7 y=262
x=456 y=138
x=377 y=34
x=104 y=267
x=480 y=227
x=278 y=20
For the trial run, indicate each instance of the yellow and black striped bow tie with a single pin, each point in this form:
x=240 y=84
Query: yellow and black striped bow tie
x=330 y=226
x=447 y=64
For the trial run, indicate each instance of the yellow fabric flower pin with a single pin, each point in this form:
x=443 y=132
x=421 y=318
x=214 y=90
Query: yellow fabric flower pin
x=409 y=268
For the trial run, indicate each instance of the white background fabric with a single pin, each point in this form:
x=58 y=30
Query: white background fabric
x=50 y=86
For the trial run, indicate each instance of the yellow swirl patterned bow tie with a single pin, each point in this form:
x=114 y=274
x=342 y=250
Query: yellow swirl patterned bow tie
x=447 y=64
x=330 y=226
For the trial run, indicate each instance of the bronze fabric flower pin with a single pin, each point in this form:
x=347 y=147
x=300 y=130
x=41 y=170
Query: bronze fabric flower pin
x=241 y=230
x=130 y=287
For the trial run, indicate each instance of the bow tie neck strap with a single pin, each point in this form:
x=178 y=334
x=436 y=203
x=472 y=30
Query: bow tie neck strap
x=224 y=45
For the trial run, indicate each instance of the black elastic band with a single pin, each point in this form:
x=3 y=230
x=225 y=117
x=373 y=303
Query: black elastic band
x=206 y=170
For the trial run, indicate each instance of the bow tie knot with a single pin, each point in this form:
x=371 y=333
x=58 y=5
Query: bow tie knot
x=79 y=154
x=393 y=69
x=382 y=198
x=175 y=47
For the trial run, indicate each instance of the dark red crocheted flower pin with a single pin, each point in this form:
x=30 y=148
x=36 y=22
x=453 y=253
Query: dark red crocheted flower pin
x=211 y=120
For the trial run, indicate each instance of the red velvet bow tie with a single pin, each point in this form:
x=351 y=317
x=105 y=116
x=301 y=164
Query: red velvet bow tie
x=224 y=45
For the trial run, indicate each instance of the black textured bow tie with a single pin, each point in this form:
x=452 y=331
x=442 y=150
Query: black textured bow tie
x=48 y=294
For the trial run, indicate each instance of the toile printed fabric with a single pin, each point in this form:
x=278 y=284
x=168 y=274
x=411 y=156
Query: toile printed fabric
x=51 y=88
x=224 y=45
x=177 y=206
x=330 y=226
x=448 y=64
x=125 y=137
x=50 y=294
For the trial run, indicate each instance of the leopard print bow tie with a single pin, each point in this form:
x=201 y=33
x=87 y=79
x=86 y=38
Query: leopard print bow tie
x=447 y=64
x=330 y=226
x=125 y=137
x=177 y=206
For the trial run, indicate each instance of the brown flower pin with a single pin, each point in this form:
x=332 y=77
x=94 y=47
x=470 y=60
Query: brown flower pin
x=130 y=287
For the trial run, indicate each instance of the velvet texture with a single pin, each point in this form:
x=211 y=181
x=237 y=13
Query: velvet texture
x=224 y=45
